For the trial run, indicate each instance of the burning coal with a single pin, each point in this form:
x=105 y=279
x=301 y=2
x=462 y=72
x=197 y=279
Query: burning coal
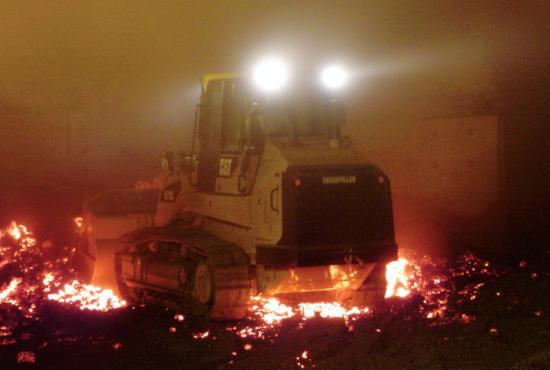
x=84 y=296
x=437 y=284
x=31 y=274
x=397 y=279
x=426 y=288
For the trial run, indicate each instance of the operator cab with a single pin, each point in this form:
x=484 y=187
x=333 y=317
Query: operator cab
x=233 y=125
x=221 y=120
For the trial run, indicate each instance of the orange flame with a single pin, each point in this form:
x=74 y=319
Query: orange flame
x=23 y=292
x=397 y=279
x=14 y=231
x=87 y=297
x=7 y=292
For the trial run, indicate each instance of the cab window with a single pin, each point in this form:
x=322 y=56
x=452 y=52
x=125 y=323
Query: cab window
x=221 y=116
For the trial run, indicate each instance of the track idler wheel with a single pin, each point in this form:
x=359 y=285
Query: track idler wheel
x=131 y=295
x=202 y=288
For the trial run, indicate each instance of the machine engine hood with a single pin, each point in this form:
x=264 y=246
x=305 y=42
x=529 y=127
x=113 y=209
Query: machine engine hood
x=315 y=151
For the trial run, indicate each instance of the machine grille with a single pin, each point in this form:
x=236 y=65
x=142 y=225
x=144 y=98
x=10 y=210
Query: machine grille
x=327 y=206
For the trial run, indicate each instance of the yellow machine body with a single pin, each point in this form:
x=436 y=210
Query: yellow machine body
x=271 y=199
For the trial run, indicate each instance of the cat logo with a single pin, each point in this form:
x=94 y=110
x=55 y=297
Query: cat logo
x=334 y=180
x=168 y=196
x=225 y=167
x=171 y=192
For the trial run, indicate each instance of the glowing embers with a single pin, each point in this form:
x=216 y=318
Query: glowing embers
x=420 y=277
x=201 y=335
x=21 y=235
x=78 y=222
x=35 y=277
x=303 y=360
x=8 y=292
x=26 y=357
x=15 y=231
x=272 y=311
x=330 y=310
x=83 y=296
x=397 y=279
x=441 y=285
x=267 y=314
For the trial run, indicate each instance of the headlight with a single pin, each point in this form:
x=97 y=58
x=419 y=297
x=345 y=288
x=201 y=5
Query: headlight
x=271 y=75
x=334 y=77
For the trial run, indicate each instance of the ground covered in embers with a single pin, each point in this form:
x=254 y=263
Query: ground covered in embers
x=505 y=325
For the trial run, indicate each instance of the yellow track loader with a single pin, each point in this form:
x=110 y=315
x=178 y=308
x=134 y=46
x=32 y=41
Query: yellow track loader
x=271 y=199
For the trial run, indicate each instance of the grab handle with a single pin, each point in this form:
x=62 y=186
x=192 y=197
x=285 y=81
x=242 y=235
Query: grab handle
x=274 y=205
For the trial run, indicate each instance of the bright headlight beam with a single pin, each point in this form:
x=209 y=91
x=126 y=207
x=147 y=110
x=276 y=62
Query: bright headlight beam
x=271 y=74
x=334 y=77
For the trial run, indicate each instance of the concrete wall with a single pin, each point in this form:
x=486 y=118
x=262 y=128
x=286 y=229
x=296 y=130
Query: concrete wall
x=444 y=175
x=32 y=152
x=444 y=172
x=91 y=94
x=75 y=150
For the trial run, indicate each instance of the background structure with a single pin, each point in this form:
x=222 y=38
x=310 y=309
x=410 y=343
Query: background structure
x=450 y=98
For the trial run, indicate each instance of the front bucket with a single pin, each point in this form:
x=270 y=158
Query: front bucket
x=107 y=217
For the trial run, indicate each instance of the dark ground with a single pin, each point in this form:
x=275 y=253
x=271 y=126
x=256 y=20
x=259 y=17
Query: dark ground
x=511 y=328
x=68 y=339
